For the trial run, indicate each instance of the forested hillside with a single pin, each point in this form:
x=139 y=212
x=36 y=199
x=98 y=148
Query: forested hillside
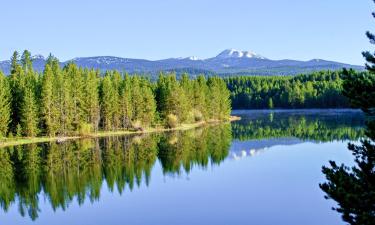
x=316 y=90
x=72 y=100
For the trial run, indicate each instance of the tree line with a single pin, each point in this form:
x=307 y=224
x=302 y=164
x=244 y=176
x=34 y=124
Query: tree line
x=73 y=100
x=316 y=90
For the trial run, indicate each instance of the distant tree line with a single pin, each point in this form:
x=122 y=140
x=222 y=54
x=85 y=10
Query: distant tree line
x=73 y=100
x=316 y=90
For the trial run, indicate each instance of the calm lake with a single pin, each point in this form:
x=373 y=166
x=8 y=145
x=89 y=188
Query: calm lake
x=264 y=169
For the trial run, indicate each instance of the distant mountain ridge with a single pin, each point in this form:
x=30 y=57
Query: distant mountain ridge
x=228 y=62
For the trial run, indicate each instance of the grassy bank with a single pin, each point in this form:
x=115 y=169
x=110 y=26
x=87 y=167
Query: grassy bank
x=30 y=140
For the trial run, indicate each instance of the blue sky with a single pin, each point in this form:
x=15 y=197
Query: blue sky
x=277 y=29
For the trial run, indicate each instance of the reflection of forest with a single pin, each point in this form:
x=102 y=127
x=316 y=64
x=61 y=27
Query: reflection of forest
x=342 y=126
x=78 y=169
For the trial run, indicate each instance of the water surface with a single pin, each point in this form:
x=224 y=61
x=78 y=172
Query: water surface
x=264 y=169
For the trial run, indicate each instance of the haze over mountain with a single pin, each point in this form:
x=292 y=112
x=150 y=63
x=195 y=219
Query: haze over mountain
x=227 y=62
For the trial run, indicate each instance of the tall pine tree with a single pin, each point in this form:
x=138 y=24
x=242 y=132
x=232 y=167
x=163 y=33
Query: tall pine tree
x=48 y=108
x=4 y=105
x=126 y=108
x=91 y=98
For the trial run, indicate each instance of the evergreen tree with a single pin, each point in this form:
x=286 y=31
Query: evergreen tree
x=225 y=102
x=107 y=98
x=4 y=105
x=66 y=105
x=213 y=100
x=126 y=107
x=148 y=103
x=137 y=99
x=29 y=116
x=91 y=98
x=26 y=61
x=144 y=105
x=14 y=62
x=76 y=85
x=59 y=97
x=116 y=83
x=171 y=98
x=48 y=107
x=16 y=82
x=218 y=100
x=270 y=103
x=200 y=91
x=188 y=95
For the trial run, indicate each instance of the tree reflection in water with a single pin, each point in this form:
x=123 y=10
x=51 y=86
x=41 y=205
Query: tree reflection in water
x=78 y=169
x=317 y=125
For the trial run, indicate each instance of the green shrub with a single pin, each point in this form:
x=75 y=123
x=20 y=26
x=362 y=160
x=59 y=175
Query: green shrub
x=198 y=116
x=172 y=121
x=18 y=130
x=137 y=125
x=85 y=129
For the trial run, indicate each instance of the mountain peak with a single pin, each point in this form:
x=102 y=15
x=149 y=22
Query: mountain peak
x=233 y=53
x=35 y=57
x=194 y=58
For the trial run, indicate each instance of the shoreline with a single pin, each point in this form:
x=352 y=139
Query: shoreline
x=301 y=109
x=181 y=127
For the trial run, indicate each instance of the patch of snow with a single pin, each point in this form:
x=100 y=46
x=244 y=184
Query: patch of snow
x=233 y=53
x=194 y=58
x=37 y=57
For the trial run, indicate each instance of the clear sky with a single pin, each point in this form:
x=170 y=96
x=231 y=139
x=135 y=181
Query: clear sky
x=157 y=29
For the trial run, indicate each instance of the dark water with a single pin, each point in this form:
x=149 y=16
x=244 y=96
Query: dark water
x=264 y=169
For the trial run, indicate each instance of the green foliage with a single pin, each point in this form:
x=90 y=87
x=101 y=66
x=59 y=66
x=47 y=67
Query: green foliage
x=360 y=89
x=270 y=103
x=172 y=121
x=18 y=130
x=61 y=102
x=317 y=90
x=126 y=107
x=75 y=80
x=90 y=103
x=197 y=115
x=218 y=99
x=29 y=119
x=26 y=61
x=85 y=129
x=108 y=103
x=171 y=97
x=4 y=105
x=192 y=100
x=143 y=101
x=48 y=107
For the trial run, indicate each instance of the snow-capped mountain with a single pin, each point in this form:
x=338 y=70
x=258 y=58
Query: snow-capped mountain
x=233 y=53
x=37 y=57
x=227 y=62
x=194 y=58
